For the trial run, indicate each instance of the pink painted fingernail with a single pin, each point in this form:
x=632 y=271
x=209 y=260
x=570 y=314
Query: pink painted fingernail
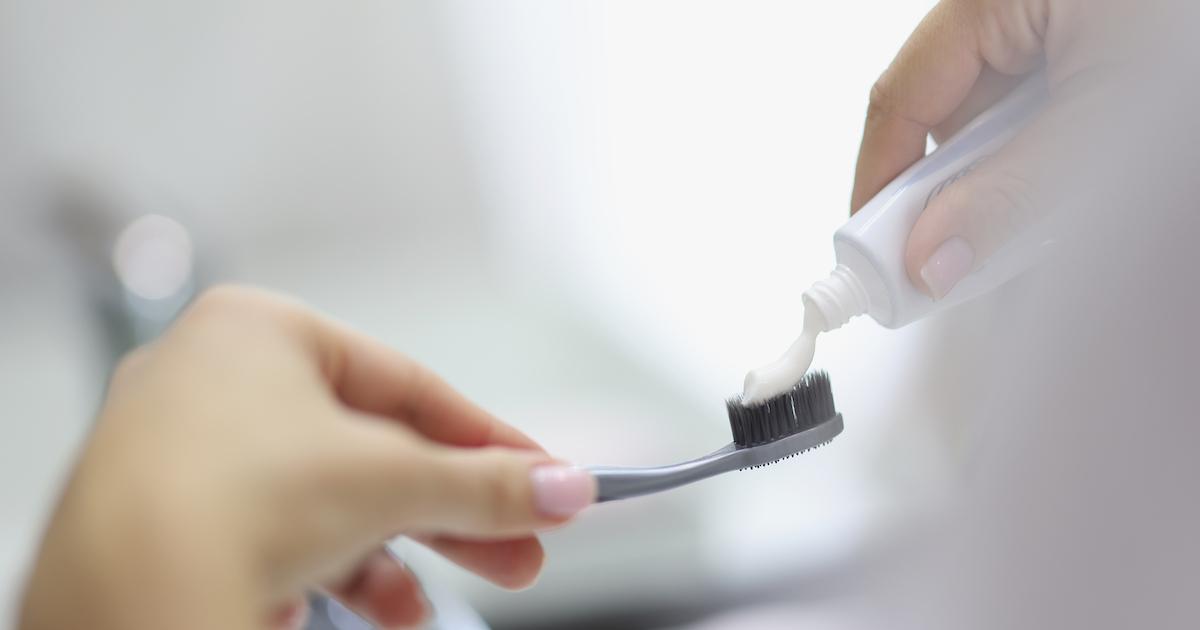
x=560 y=491
x=948 y=265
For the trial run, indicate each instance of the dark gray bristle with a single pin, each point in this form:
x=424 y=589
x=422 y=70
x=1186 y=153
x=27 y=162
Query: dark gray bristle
x=804 y=406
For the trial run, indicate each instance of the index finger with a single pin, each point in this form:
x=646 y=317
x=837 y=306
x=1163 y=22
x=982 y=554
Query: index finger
x=373 y=378
x=932 y=75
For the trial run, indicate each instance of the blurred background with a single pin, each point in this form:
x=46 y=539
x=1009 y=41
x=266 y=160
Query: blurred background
x=591 y=217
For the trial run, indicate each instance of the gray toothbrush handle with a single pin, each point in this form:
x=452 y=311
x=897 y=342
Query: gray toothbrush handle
x=614 y=482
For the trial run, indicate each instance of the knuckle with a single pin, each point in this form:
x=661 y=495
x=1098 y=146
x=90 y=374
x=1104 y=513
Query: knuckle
x=1010 y=33
x=887 y=102
x=992 y=204
x=1011 y=201
x=880 y=99
x=955 y=196
x=421 y=383
x=505 y=496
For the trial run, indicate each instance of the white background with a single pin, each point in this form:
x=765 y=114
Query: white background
x=591 y=217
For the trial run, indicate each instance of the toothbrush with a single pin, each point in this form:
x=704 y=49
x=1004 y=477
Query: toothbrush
x=791 y=423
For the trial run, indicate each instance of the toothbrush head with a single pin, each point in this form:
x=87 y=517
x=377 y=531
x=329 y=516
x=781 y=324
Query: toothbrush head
x=763 y=433
x=807 y=405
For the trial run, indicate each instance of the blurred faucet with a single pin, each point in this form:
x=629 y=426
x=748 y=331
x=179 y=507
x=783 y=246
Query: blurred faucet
x=137 y=264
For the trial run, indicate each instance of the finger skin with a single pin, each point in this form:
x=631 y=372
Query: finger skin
x=389 y=480
x=1013 y=189
x=290 y=616
x=373 y=378
x=364 y=374
x=512 y=564
x=935 y=73
x=480 y=493
x=989 y=88
x=370 y=377
x=384 y=591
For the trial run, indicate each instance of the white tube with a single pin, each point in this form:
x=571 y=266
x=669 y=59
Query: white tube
x=870 y=246
x=870 y=275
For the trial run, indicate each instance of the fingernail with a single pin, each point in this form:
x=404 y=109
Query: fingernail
x=560 y=491
x=948 y=265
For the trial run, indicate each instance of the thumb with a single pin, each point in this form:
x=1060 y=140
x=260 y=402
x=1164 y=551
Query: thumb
x=1007 y=193
x=493 y=492
x=373 y=480
x=974 y=216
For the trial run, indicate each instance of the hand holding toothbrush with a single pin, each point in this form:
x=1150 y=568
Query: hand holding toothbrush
x=258 y=450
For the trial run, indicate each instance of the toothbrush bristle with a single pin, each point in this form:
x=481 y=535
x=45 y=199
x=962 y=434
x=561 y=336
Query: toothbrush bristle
x=804 y=406
x=775 y=461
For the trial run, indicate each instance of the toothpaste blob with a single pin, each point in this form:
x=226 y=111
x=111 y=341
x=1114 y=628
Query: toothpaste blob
x=785 y=372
